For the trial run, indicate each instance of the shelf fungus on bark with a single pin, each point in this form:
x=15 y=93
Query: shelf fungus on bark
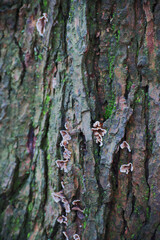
x=58 y=196
x=66 y=205
x=98 y=132
x=76 y=237
x=62 y=219
x=65 y=234
x=65 y=135
x=80 y=213
x=124 y=144
x=66 y=154
x=62 y=164
x=76 y=202
x=126 y=168
x=64 y=143
x=41 y=23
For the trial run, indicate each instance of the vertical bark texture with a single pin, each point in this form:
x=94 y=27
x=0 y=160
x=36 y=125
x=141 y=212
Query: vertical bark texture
x=98 y=60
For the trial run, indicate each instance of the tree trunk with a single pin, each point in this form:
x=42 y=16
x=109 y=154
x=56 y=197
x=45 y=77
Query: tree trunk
x=96 y=61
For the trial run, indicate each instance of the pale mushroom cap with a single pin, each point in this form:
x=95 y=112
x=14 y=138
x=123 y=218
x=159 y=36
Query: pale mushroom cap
x=62 y=219
x=76 y=202
x=56 y=199
x=41 y=22
x=98 y=132
x=77 y=209
x=45 y=16
x=97 y=124
x=62 y=164
x=65 y=135
x=126 y=168
x=58 y=196
x=76 y=237
x=66 y=205
x=66 y=154
x=66 y=125
x=124 y=144
x=64 y=143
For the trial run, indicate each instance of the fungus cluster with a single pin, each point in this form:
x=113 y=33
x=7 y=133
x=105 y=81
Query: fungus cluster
x=62 y=219
x=126 y=168
x=59 y=196
x=41 y=23
x=62 y=164
x=98 y=132
x=77 y=207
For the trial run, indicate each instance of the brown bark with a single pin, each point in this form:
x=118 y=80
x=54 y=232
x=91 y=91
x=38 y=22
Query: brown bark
x=96 y=61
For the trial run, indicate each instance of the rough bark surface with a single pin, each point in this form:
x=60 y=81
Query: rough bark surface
x=97 y=61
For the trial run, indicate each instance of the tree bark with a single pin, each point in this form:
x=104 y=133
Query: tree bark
x=96 y=61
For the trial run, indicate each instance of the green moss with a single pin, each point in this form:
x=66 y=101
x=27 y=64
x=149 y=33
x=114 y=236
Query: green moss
x=28 y=235
x=87 y=212
x=147 y=212
x=40 y=56
x=48 y=156
x=64 y=80
x=59 y=59
x=111 y=59
x=30 y=207
x=139 y=96
x=47 y=99
x=45 y=3
x=16 y=224
x=129 y=84
x=110 y=106
x=84 y=224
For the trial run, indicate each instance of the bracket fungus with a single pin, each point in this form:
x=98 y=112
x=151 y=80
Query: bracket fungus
x=64 y=143
x=124 y=144
x=41 y=23
x=66 y=205
x=98 y=132
x=62 y=164
x=76 y=237
x=65 y=135
x=66 y=154
x=126 y=168
x=58 y=196
x=76 y=202
x=62 y=219
x=77 y=208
